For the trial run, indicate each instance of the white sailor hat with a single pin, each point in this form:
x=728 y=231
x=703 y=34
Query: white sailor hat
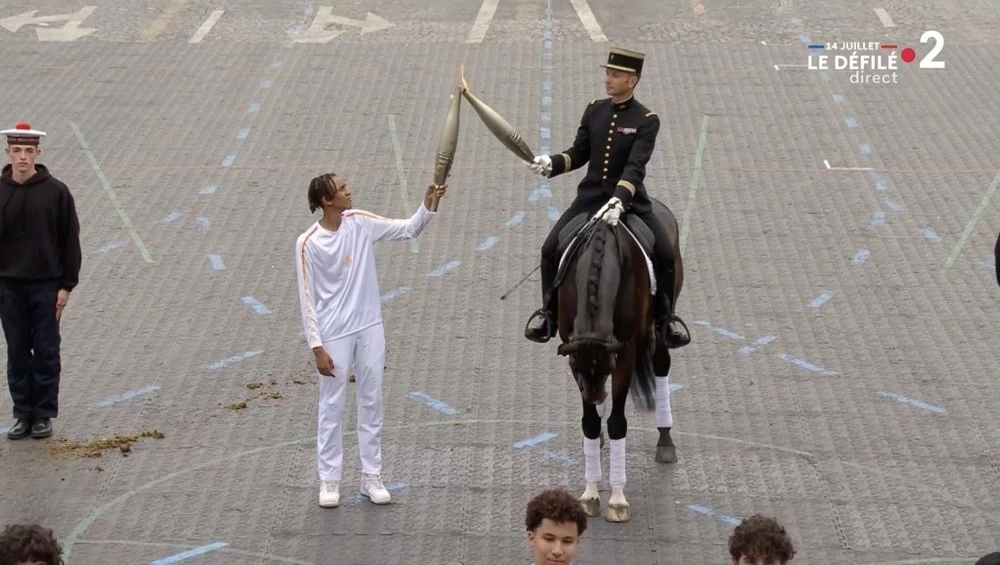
x=23 y=134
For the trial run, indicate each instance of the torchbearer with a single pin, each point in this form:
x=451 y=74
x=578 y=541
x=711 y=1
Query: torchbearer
x=342 y=315
x=40 y=260
x=615 y=139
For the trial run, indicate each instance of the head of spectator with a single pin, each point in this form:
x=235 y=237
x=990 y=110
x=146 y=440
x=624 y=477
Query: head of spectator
x=760 y=540
x=555 y=521
x=991 y=559
x=29 y=545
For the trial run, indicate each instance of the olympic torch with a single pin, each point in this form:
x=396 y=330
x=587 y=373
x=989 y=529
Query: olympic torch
x=447 y=144
x=499 y=126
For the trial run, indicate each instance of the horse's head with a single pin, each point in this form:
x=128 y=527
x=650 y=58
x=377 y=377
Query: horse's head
x=590 y=306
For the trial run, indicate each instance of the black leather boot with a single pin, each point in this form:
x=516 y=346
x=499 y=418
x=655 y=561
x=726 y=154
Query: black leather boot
x=20 y=430
x=673 y=331
x=545 y=329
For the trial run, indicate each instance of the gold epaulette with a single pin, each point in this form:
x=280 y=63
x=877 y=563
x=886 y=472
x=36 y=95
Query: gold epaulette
x=650 y=114
x=594 y=100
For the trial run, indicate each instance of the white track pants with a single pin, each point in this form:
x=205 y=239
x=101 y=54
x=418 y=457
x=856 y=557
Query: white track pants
x=365 y=352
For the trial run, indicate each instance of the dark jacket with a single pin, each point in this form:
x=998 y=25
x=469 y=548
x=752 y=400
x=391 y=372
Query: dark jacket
x=996 y=259
x=617 y=140
x=39 y=229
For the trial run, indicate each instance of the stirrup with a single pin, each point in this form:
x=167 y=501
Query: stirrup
x=547 y=325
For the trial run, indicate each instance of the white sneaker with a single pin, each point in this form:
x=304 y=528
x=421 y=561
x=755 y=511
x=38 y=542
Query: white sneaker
x=329 y=494
x=372 y=487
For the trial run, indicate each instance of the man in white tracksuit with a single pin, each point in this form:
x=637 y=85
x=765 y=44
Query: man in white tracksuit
x=342 y=317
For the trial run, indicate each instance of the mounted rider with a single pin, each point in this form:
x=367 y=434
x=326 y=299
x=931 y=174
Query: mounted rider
x=613 y=185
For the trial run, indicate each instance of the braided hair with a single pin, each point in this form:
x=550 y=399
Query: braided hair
x=319 y=188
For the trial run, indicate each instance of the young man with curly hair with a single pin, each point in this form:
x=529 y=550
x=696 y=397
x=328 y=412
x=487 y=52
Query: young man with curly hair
x=29 y=545
x=760 y=540
x=555 y=521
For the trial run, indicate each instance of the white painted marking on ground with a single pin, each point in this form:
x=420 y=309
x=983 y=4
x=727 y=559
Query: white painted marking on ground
x=589 y=21
x=883 y=17
x=827 y=163
x=206 y=26
x=482 y=23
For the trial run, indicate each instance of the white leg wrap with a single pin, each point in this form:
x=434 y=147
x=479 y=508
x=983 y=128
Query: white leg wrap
x=617 y=475
x=592 y=460
x=664 y=418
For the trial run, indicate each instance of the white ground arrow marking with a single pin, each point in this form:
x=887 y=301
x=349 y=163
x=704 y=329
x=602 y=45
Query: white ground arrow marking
x=827 y=163
x=68 y=32
x=317 y=32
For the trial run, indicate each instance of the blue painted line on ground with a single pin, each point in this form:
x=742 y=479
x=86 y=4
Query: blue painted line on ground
x=805 y=39
x=394 y=294
x=234 y=359
x=543 y=191
x=757 y=344
x=393 y=487
x=825 y=76
x=4 y=430
x=865 y=148
x=201 y=222
x=545 y=133
x=546 y=85
x=256 y=305
x=805 y=364
x=796 y=21
x=444 y=269
x=546 y=117
x=535 y=440
x=852 y=122
x=253 y=108
x=718 y=330
x=111 y=246
x=860 y=257
x=990 y=264
x=265 y=84
x=216 y=262
x=878 y=218
x=821 y=299
x=546 y=100
x=894 y=206
x=731 y=520
x=880 y=183
x=229 y=159
x=488 y=243
x=433 y=403
x=243 y=133
x=178 y=557
x=275 y=64
x=553 y=212
x=172 y=216
x=516 y=218
x=929 y=234
x=561 y=457
x=913 y=402
x=126 y=396
x=838 y=98
x=208 y=189
x=674 y=387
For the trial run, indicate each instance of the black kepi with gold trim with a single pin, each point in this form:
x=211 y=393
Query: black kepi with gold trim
x=23 y=134
x=625 y=60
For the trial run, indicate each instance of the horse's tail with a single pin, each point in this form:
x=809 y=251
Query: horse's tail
x=644 y=377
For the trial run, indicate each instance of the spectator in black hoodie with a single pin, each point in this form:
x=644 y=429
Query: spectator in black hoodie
x=39 y=266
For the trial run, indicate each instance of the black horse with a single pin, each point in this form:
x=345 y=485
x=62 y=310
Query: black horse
x=606 y=328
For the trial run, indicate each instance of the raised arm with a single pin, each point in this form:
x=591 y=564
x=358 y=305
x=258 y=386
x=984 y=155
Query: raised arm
x=579 y=153
x=304 y=275
x=394 y=229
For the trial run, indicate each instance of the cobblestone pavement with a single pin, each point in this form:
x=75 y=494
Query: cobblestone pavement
x=838 y=251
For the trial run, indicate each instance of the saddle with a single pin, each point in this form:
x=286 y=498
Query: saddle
x=569 y=239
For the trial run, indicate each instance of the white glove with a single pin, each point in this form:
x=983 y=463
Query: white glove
x=611 y=211
x=542 y=165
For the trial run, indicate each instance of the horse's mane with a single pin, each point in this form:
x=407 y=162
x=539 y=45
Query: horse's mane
x=599 y=235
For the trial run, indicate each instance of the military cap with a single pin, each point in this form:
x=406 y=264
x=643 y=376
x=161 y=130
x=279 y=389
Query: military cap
x=23 y=134
x=625 y=60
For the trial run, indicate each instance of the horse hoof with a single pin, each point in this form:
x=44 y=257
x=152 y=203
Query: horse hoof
x=617 y=513
x=666 y=454
x=591 y=506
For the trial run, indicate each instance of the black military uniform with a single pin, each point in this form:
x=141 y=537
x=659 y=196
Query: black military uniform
x=39 y=257
x=615 y=140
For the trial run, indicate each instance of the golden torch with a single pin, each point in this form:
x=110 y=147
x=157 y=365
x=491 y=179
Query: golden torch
x=499 y=126
x=447 y=144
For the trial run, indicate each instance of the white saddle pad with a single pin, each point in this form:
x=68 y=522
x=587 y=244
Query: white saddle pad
x=649 y=263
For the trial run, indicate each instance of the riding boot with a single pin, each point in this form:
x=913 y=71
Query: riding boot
x=673 y=331
x=543 y=330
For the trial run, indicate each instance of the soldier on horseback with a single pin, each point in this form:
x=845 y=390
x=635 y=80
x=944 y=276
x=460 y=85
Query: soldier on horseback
x=613 y=185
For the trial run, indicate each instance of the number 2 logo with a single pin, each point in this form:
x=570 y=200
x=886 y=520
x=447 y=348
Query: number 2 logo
x=929 y=61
